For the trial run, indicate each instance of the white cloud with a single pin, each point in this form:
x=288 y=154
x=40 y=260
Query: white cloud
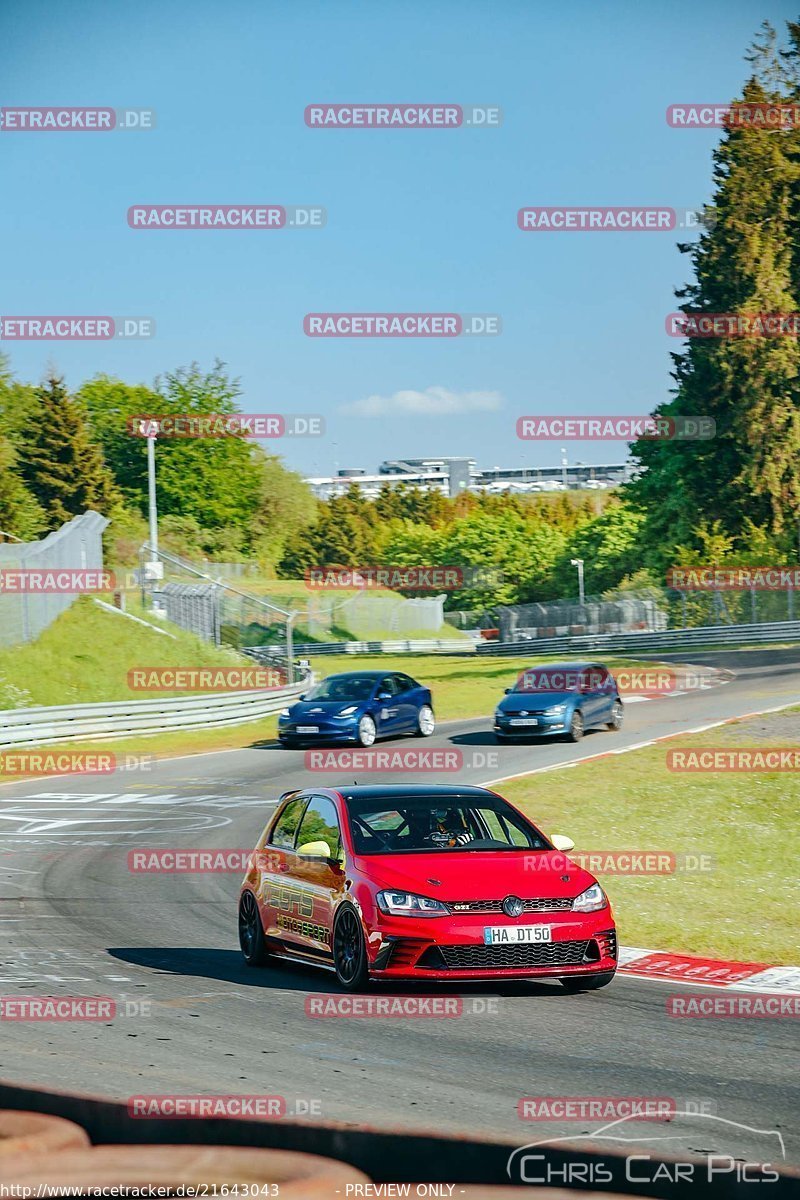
x=433 y=402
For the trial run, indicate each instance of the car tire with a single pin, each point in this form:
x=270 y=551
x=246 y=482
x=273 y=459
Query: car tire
x=587 y=983
x=576 y=728
x=287 y=744
x=500 y=737
x=349 y=950
x=617 y=716
x=251 y=932
x=426 y=722
x=367 y=731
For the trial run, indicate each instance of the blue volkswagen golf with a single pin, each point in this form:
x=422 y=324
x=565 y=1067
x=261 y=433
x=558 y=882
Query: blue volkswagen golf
x=559 y=699
x=360 y=707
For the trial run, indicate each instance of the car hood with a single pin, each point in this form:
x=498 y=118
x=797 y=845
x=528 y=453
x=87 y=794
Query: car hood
x=479 y=874
x=517 y=701
x=307 y=708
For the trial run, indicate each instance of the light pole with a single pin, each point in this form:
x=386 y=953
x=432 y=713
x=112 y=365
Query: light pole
x=578 y=562
x=154 y=569
x=151 y=495
x=564 y=465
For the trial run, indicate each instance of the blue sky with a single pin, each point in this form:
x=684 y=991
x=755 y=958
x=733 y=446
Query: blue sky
x=416 y=220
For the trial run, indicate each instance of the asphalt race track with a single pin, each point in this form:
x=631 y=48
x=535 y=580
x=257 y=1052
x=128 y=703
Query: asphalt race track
x=75 y=921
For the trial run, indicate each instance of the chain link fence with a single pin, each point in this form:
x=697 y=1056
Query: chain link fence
x=652 y=610
x=214 y=609
x=76 y=546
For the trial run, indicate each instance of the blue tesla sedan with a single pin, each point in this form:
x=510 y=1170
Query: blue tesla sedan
x=360 y=707
x=562 y=699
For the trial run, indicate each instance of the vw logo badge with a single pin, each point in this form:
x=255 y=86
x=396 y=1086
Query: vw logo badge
x=524 y=712
x=513 y=906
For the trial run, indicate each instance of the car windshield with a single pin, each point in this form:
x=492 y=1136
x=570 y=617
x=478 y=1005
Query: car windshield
x=419 y=824
x=343 y=687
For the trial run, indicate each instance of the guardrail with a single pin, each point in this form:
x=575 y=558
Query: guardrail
x=402 y=646
x=703 y=635
x=65 y=722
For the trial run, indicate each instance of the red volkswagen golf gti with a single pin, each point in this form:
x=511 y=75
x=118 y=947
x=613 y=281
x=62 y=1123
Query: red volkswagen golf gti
x=422 y=882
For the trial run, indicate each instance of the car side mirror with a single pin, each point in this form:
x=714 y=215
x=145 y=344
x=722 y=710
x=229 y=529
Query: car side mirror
x=562 y=843
x=302 y=696
x=508 y=691
x=314 y=850
x=383 y=696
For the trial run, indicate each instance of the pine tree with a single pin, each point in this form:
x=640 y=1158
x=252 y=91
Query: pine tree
x=60 y=464
x=749 y=474
x=20 y=515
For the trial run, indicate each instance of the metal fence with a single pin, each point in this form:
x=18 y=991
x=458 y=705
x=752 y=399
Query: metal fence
x=368 y=615
x=213 y=609
x=653 y=609
x=77 y=545
x=761 y=633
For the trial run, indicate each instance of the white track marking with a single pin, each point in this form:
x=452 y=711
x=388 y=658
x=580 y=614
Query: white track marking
x=762 y=712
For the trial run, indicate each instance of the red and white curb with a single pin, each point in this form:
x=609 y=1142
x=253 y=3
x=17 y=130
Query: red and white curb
x=708 y=972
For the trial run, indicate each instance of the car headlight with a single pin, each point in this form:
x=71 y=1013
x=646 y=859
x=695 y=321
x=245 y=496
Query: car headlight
x=284 y=712
x=404 y=904
x=591 y=900
x=554 y=710
x=348 y=712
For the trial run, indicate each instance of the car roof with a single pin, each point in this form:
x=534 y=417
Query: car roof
x=398 y=791
x=363 y=674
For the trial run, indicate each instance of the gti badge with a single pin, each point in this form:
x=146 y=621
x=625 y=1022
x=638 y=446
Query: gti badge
x=513 y=906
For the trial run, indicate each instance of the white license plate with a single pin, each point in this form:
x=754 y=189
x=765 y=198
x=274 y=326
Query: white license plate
x=524 y=721
x=308 y=728
x=512 y=935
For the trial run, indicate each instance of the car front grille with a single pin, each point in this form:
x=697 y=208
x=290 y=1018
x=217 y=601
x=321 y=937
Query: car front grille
x=470 y=958
x=540 y=904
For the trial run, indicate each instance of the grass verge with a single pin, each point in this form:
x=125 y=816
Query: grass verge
x=85 y=655
x=744 y=907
